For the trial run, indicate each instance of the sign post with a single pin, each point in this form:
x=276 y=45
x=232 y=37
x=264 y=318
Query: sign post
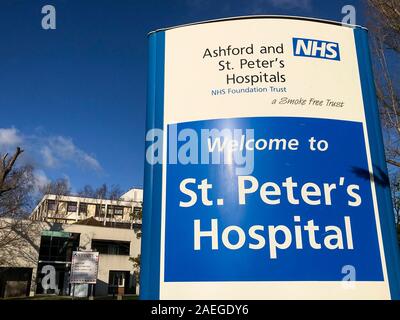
x=265 y=175
x=84 y=269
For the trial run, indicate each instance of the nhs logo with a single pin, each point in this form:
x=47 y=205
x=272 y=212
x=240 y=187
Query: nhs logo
x=316 y=48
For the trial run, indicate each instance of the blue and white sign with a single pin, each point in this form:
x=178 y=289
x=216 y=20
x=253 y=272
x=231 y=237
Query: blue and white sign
x=265 y=172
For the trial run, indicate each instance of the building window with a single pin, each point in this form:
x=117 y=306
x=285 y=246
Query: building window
x=110 y=210
x=120 y=248
x=71 y=206
x=83 y=208
x=58 y=246
x=51 y=205
x=100 y=210
x=137 y=213
x=115 y=210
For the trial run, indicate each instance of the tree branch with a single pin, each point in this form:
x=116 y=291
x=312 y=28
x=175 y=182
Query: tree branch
x=393 y=162
x=6 y=168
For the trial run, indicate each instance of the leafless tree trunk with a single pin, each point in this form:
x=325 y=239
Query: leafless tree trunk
x=16 y=187
x=6 y=167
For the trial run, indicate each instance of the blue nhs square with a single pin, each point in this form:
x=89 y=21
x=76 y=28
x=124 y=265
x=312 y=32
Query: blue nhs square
x=316 y=49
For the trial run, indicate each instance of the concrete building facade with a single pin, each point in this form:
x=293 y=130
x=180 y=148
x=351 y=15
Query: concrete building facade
x=71 y=209
x=29 y=254
x=36 y=254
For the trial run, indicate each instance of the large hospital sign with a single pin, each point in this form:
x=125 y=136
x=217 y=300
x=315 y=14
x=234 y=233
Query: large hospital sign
x=265 y=172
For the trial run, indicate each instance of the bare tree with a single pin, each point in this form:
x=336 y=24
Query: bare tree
x=136 y=268
x=87 y=192
x=384 y=26
x=58 y=189
x=114 y=193
x=102 y=193
x=137 y=216
x=6 y=170
x=17 y=185
x=395 y=189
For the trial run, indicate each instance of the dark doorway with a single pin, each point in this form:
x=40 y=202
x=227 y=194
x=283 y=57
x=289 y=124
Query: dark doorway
x=119 y=283
x=15 y=282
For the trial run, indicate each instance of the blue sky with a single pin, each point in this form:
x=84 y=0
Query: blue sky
x=75 y=98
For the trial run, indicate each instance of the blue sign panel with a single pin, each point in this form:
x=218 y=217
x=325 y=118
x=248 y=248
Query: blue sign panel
x=291 y=219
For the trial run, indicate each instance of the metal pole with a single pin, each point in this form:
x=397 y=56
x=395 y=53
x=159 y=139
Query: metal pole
x=91 y=297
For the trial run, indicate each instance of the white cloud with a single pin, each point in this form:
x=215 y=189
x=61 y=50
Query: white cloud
x=48 y=151
x=91 y=161
x=48 y=157
x=9 y=137
x=60 y=149
x=62 y=146
x=40 y=179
